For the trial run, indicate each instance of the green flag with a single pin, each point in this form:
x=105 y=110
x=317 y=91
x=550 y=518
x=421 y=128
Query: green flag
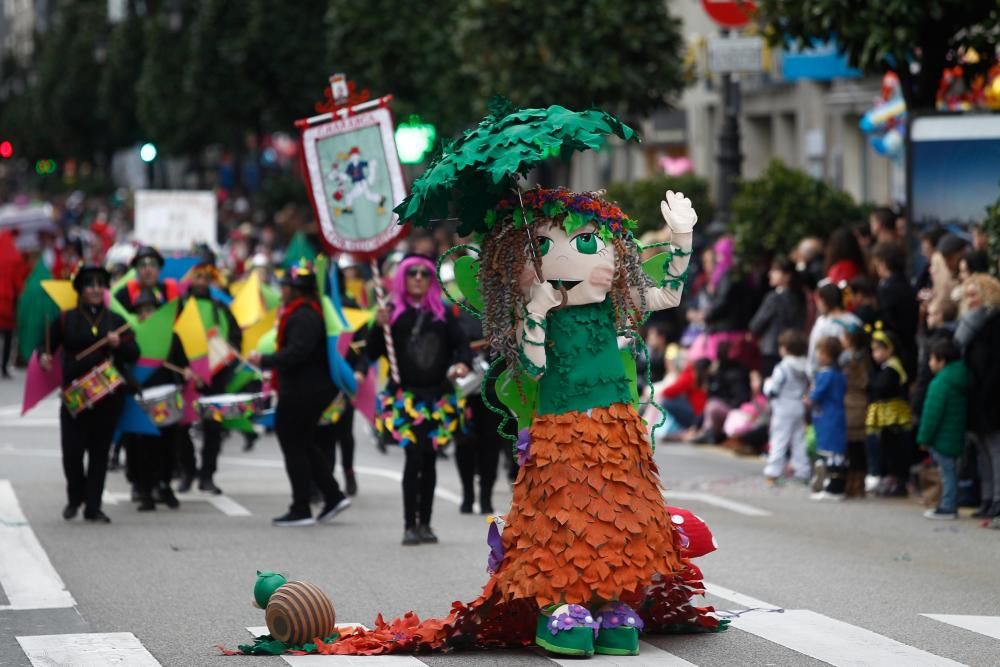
x=156 y=332
x=35 y=310
x=298 y=248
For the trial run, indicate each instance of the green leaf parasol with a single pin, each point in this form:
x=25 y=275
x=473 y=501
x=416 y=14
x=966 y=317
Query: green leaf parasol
x=476 y=170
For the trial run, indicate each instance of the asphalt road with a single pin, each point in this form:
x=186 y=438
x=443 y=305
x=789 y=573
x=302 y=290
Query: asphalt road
x=845 y=584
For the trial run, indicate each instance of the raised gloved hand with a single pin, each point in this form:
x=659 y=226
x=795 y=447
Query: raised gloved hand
x=678 y=213
x=544 y=297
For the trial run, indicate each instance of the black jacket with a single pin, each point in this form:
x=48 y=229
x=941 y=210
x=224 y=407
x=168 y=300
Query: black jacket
x=301 y=363
x=982 y=357
x=425 y=349
x=900 y=313
x=779 y=311
x=73 y=331
x=733 y=305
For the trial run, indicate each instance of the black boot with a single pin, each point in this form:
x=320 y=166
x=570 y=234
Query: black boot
x=994 y=510
x=411 y=537
x=485 y=497
x=167 y=497
x=146 y=503
x=207 y=485
x=984 y=510
x=185 y=484
x=350 y=483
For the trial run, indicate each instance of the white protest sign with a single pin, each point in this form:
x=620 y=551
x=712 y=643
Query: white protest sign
x=175 y=219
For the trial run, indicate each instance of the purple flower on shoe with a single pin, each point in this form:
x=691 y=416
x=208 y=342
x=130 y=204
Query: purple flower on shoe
x=523 y=446
x=619 y=615
x=574 y=616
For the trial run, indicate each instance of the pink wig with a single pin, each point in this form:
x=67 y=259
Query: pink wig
x=431 y=301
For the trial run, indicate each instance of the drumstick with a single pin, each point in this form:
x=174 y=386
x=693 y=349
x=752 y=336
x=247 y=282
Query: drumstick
x=474 y=345
x=101 y=343
x=181 y=371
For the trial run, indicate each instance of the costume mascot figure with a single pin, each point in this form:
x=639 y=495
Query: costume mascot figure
x=589 y=555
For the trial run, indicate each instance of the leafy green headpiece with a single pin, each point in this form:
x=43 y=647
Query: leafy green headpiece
x=479 y=169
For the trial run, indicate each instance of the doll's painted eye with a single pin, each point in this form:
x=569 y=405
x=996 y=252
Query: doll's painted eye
x=544 y=245
x=587 y=243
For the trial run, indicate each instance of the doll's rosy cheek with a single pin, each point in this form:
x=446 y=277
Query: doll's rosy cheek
x=601 y=276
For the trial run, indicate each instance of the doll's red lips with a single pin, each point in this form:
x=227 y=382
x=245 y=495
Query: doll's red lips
x=568 y=284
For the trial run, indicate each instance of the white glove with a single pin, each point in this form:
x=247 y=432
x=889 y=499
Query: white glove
x=544 y=297
x=678 y=213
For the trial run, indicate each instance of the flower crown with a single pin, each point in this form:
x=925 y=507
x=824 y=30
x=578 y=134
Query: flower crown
x=577 y=209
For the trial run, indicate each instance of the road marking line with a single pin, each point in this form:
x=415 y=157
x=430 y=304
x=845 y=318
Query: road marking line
x=984 y=625
x=342 y=660
x=26 y=574
x=648 y=655
x=824 y=638
x=717 y=501
x=223 y=503
x=112 y=648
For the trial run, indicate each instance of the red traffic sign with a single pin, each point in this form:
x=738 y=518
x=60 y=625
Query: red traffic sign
x=730 y=13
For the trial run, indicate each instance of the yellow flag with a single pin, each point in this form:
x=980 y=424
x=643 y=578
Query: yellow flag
x=248 y=306
x=357 y=318
x=191 y=331
x=252 y=334
x=62 y=292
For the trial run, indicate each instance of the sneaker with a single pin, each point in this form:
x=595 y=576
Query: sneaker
x=70 y=511
x=938 y=514
x=410 y=537
x=330 y=511
x=291 y=518
x=872 y=483
x=819 y=476
x=826 y=495
x=96 y=517
x=427 y=535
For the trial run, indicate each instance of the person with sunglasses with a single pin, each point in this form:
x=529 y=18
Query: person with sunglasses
x=422 y=412
x=147 y=263
x=89 y=429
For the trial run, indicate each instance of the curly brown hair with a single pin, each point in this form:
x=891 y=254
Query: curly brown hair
x=506 y=250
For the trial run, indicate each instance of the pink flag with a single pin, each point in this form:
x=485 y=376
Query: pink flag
x=38 y=384
x=364 y=401
x=344 y=341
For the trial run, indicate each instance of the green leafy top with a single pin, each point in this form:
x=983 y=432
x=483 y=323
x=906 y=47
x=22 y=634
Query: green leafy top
x=479 y=168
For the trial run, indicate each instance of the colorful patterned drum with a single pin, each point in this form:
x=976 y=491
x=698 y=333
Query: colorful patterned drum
x=87 y=390
x=226 y=407
x=164 y=404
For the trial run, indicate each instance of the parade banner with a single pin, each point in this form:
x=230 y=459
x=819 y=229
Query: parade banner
x=355 y=180
x=175 y=219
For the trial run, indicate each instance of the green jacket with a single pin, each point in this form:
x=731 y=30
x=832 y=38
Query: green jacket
x=942 y=422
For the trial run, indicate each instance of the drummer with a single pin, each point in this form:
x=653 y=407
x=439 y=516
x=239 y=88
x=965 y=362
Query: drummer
x=91 y=430
x=214 y=314
x=305 y=389
x=152 y=457
x=147 y=263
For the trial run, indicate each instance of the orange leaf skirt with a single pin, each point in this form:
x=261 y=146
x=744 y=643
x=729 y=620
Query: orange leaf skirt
x=588 y=521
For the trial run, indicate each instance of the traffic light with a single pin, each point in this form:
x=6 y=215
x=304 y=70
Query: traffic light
x=6 y=150
x=45 y=167
x=413 y=139
x=147 y=152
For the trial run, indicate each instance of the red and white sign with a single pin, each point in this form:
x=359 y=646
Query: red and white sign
x=730 y=13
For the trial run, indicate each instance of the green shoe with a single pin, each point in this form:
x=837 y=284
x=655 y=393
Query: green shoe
x=619 y=633
x=566 y=630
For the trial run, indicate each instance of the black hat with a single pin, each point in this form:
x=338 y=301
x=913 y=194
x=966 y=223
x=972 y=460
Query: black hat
x=146 y=297
x=205 y=255
x=147 y=251
x=949 y=244
x=85 y=274
x=301 y=276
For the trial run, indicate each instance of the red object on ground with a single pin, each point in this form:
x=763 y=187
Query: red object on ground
x=730 y=13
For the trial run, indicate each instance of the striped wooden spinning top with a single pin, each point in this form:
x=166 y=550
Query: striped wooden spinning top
x=298 y=612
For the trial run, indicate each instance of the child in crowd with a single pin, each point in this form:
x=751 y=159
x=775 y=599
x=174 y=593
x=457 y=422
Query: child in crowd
x=864 y=298
x=832 y=320
x=827 y=402
x=855 y=361
x=942 y=320
x=889 y=420
x=684 y=399
x=942 y=425
x=786 y=389
x=728 y=388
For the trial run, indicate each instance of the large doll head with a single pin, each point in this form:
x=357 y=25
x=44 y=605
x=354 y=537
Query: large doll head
x=579 y=243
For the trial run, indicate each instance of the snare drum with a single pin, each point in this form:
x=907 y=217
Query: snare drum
x=164 y=404
x=87 y=390
x=226 y=407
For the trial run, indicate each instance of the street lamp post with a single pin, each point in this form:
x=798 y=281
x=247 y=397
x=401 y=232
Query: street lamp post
x=729 y=158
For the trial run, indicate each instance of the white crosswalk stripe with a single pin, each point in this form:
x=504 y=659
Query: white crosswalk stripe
x=984 y=625
x=824 y=638
x=26 y=574
x=87 y=650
